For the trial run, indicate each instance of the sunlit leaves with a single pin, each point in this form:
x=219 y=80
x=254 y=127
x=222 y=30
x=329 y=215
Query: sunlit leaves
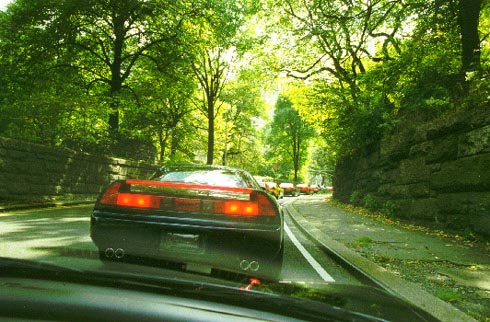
x=369 y=60
x=288 y=137
x=74 y=70
x=237 y=128
x=336 y=43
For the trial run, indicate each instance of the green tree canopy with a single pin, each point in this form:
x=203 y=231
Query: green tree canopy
x=288 y=136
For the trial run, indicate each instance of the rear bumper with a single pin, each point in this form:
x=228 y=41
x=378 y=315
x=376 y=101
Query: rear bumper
x=291 y=192
x=218 y=246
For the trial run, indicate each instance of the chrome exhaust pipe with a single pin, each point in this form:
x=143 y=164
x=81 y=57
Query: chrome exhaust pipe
x=109 y=252
x=119 y=253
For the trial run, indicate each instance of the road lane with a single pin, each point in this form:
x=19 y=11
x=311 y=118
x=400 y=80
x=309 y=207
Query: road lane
x=295 y=266
x=61 y=236
x=308 y=257
x=55 y=235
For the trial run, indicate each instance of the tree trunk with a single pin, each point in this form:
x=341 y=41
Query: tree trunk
x=210 y=155
x=163 y=142
x=114 y=114
x=116 y=78
x=296 y=147
x=173 y=144
x=468 y=20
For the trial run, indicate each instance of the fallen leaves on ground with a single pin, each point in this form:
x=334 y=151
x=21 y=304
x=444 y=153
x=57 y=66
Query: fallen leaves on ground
x=382 y=218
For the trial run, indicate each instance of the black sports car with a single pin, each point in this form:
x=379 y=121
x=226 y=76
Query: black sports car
x=202 y=217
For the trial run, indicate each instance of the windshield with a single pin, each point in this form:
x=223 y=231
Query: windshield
x=332 y=152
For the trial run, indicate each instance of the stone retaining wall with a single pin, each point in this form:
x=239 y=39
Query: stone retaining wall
x=438 y=171
x=33 y=171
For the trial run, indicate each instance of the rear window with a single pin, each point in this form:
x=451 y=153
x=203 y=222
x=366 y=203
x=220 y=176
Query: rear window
x=208 y=177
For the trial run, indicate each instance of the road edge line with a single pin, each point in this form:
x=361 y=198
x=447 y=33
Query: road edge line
x=309 y=258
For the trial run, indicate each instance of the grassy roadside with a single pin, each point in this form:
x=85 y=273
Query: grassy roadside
x=432 y=276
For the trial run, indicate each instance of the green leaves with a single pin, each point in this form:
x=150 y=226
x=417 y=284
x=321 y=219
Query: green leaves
x=288 y=138
x=86 y=74
x=94 y=74
x=368 y=62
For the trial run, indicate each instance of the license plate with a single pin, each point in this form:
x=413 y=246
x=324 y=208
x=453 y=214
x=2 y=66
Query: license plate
x=175 y=242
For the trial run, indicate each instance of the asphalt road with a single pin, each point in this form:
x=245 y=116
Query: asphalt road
x=61 y=236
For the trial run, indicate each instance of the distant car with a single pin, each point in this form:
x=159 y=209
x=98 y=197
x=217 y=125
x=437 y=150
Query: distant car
x=260 y=181
x=304 y=188
x=211 y=216
x=274 y=189
x=330 y=188
x=314 y=188
x=290 y=189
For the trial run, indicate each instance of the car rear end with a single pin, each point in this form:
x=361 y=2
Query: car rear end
x=237 y=229
x=304 y=188
x=272 y=188
x=289 y=189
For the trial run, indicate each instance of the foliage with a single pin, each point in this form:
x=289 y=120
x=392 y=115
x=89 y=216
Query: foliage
x=321 y=163
x=168 y=117
x=371 y=63
x=355 y=198
x=288 y=138
x=169 y=80
x=449 y=296
x=212 y=59
x=370 y=202
x=210 y=68
x=97 y=75
x=389 y=209
x=238 y=137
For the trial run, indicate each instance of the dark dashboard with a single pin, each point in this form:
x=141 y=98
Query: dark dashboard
x=44 y=292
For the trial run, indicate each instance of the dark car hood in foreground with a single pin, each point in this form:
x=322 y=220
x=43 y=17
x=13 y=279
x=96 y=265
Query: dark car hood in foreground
x=312 y=302
x=361 y=299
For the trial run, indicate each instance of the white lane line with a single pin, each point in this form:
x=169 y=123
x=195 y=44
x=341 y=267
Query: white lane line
x=316 y=266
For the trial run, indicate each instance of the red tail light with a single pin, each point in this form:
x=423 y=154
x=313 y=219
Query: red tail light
x=189 y=198
x=110 y=195
x=243 y=208
x=138 y=200
x=265 y=205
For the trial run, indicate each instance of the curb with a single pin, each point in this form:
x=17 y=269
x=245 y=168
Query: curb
x=51 y=204
x=399 y=287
